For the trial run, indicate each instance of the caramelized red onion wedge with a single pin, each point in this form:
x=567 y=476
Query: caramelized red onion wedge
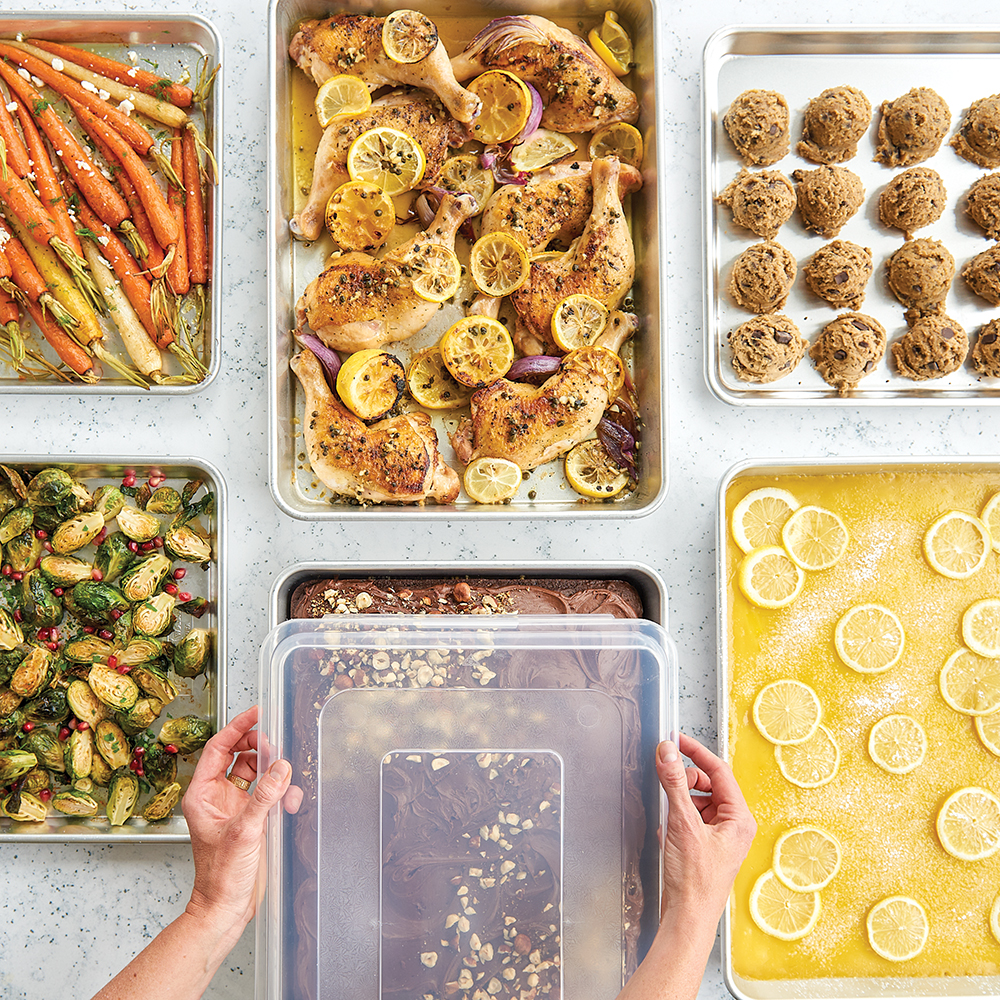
x=535 y=368
x=534 y=115
x=329 y=359
x=619 y=443
x=495 y=158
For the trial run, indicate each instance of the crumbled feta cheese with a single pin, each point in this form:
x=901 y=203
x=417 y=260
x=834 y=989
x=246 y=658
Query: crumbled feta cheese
x=57 y=64
x=4 y=236
x=133 y=57
x=103 y=95
x=37 y=82
x=103 y=240
x=20 y=36
x=88 y=86
x=131 y=72
x=12 y=107
x=127 y=106
x=24 y=74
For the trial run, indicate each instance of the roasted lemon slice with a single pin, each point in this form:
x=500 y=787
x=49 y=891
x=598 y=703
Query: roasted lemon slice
x=969 y=824
x=499 y=264
x=506 y=106
x=387 y=157
x=988 y=730
x=477 y=351
x=897 y=928
x=540 y=148
x=869 y=638
x=760 y=516
x=431 y=384
x=815 y=538
x=369 y=383
x=612 y=43
x=592 y=472
x=769 y=578
x=618 y=139
x=806 y=858
x=782 y=912
x=981 y=627
x=602 y=362
x=786 y=711
x=360 y=216
x=956 y=545
x=492 y=480
x=464 y=174
x=435 y=271
x=341 y=95
x=408 y=36
x=810 y=764
x=578 y=320
x=897 y=743
x=971 y=684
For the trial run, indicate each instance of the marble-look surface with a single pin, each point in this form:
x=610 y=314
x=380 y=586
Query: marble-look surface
x=74 y=915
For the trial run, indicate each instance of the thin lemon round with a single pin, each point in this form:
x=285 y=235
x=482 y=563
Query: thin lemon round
x=506 y=106
x=499 y=264
x=477 y=351
x=897 y=743
x=815 y=538
x=370 y=382
x=360 y=216
x=387 y=157
x=592 y=472
x=759 y=517
x=897 y=928
x=612 y=43
x=769 y=578
x=782 y=912
x=618 y=139
x=988 y=731
x=408 y=36
x=431 y=384
x=806 y=858
x=492 y=480
x=463 y=174
x=968 y=824
x=991 y=518
x=970 y=683
x=540 y=148
x=341 y=95
x=869 y=638
x=810 y=764
x=601 y=363
x=787 y=711
x=981 y=627
x=995 y=919
x=578 y=320
x=956 y=545
x=435 y=271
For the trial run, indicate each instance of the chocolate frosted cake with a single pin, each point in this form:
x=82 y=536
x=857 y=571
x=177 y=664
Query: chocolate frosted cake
x=471 y=876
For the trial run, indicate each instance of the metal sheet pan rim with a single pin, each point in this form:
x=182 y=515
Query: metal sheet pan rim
x=760 y=394
x=140 y=835
x=138 y=19
x=278 y=473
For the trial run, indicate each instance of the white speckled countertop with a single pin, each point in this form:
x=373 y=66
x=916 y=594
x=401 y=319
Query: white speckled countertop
x=74 y=915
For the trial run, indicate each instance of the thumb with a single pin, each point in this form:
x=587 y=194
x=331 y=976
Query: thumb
x=670 y=771
x=271 y=786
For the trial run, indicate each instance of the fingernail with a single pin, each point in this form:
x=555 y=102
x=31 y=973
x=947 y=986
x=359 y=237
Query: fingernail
x=667 y=752
x=280 y=770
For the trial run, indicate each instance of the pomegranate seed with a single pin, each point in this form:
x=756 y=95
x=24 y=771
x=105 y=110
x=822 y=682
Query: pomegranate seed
x=82 y=726
x=47 y=546
x=42 y=534
x=116 y=614
x=183 y=596
x=132 y=765
x=106 y=634
x=52 y=645
x=6 y=570
x=146 y=546
x=180 y=573
x=133 y=546
x=140 y=751
x=64 y=733
x=157 y=542
x=58 y=591
x=139 y=772
x=170 y=588
x=27 y=727
x=54 y=634
x=170 y=748
x=96 y=575
x=112 y=660
x=45 y=794
x=73 y=723
x=43 y=634
x=89 y=629
x=100 y=536
x=123 y=669
x=129 y=472
x=18 y=617
x=17 y=576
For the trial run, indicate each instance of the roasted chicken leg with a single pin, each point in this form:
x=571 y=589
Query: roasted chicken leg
x=352 y=44
x=362 y=301
x=393 y=461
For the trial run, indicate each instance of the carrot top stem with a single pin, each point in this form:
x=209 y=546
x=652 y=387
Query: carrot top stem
x=77 y=267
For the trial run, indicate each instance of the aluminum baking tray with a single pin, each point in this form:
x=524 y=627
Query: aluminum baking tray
x=902 y=508
x=884 y=62
x=172 y=43
x=292 y=265
x=204 y=695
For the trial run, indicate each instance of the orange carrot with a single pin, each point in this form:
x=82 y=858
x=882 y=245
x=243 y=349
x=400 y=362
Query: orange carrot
x=26 y=277
x=99 y=192
x=17 y=155
x=178 y=276
x=9 y=313
x=17 y=195
x=5 y=270
x=69 y=351
x=160 y=217
x=130 y=76
x=50 y=190
x=194 y=211
x=133 y=133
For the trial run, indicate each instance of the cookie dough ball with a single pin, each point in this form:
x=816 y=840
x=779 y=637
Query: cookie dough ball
x=934 y=346
x=757 y=123
x=913 y=199
x=762 y=277
x=983 y=204
x=828 y=197
x=766 y=348
x=978 y=137
x=834 y=123
x=848 y=349
x=919 y=274
x=982 y=275
x=761 y=202
x=912 y=127
x=839 y=273
x=986 y=353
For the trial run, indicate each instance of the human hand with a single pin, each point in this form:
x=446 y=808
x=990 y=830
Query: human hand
x=227 y=824
x=709 y=829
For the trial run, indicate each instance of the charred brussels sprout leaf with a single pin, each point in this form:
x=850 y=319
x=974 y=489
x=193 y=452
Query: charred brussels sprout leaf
x=196 y=607
x=141 y=716
x=16 y=522
x=49 y=487
x=24 y=808
x=77 y=501
x=114 y=556
x=188 y=733
x=49 y=706
x=97 y=600
x=36 y=780
x=123 y=794
x=159 y=766
x=11 y=722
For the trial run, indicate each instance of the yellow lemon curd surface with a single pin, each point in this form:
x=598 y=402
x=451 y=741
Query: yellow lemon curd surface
x=885 y=822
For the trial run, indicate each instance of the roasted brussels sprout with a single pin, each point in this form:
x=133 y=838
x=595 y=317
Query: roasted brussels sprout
x=77 y=532
x=188 y=733
x=123 y=793
x=159 y=766
x=15 y=522
x=113 y=556
x=14 y=763
x=196 y=607
x=48 y=487
x=39 y=606
x=100 y=773
x=116 y=690
x=98 y=600
x=108 y=500
x=37 y=779
x=140 y=716
x=154 y=682
x=46 y=748
x=191 y=653
x=8 y=500
x=78 y=754
x=11 y=721
x=154 y=615
x=24 y=808
x=164 y=500
x=23 y=551
x=10 y=632
x=78 y=500
x=185 y=543
x=33 y=672
x=140 y=581
x=123 y=630
x=161 y=805
x=74 y=803
x=65 y=571
x=88 y=649
x=111 y=743
x=141 y=649
x=49 y=706
x=86 y=706
x=137 y=524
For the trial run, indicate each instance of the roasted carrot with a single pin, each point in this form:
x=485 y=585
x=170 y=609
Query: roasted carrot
x=9 y=312
x=178 y=276
x=13 y=145
x=5 y=269
x=130 y=130
x=70 y=352
x=49 y=188
x=130 y=76
x=160 y=218
x=98 y=191
x=194 y=211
